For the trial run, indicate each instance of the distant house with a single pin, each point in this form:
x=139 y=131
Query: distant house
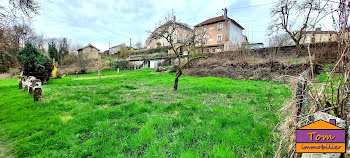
x=182 y=32
x=105 y=53
x=253 y=45
x=318 y=36
x=90 y=51
x=220 y=33
x=115 y=50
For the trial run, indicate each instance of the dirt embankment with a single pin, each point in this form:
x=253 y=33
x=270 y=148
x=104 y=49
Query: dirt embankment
x=269 y=70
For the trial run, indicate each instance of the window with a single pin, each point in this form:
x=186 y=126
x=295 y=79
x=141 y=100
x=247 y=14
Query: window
x=204 y=41
x=218 y=49
x=219 y=26
x=184 y=36
x=204 y=28
x=219 y=38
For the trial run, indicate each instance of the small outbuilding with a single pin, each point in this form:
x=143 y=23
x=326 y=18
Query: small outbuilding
x=90 y=51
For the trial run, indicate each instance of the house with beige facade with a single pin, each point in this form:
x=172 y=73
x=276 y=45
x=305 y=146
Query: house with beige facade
x=182 y=32
x=90 y=51
x=220 y=34
x=318 y=36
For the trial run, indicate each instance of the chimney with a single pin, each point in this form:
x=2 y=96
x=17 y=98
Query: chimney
x=318 y=29
x=332 y=121
x=225 y=13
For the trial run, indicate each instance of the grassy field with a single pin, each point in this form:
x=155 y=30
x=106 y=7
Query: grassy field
x=136 y=114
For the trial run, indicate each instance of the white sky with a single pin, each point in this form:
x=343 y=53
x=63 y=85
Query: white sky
x=102 y=21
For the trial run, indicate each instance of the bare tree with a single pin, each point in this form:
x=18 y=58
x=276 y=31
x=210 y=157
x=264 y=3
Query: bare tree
x=279 y=40
x=168 y=30
x=16 y=11
x=296 y=16
x=63 y=48
x=138 y=45
x=201 y=39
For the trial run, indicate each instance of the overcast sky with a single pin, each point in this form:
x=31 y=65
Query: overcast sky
x=102 y=21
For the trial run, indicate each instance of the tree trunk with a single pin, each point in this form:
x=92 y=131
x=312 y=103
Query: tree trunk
x=178 y=74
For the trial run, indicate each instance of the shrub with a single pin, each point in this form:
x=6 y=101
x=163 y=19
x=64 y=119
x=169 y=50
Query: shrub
x=34 y=63
x=54 y=71
x=84 y=62
x=70 y=59
x=122 y=64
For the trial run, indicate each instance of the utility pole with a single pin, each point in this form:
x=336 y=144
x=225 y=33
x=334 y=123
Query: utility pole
x=225 y=29
x=130 y=49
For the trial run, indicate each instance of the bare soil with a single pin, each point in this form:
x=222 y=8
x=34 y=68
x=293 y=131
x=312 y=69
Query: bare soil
x=269 y=70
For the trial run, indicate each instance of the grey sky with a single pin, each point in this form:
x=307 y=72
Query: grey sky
x=102 y=21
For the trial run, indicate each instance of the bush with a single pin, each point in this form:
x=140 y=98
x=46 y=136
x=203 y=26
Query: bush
x=34 y=63
x=122 y=64
x=70 y=59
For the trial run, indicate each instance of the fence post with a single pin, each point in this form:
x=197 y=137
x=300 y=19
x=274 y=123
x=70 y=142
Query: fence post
x=99 y=75
x=300 y=92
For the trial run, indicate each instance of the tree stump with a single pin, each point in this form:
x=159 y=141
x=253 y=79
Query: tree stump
x=25 y=88
x=31 y=88
x=20 y=83
x=30 y=83
x=38 y=94
x=24 y=81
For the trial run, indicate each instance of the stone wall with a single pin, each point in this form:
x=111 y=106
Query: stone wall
x=324 y=53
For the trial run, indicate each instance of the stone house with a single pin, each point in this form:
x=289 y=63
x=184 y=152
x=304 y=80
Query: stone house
x=220 y=34
x=90 y=51
x=115 y=49
x=182 y=32
x=318 y=36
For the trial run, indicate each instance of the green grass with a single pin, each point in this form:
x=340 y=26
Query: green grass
x=136 y=114
x=294 y=60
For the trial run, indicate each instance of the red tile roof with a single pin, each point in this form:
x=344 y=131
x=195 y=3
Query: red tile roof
x=217 y=19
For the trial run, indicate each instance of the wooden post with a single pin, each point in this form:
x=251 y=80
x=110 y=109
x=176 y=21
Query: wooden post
x=76 y=73
x=99 y=75
x=300 y=93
